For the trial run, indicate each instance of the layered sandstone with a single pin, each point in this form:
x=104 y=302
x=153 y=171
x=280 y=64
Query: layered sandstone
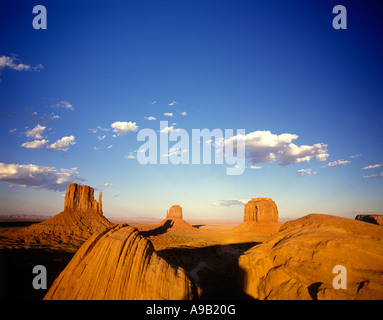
x=175 y=212
x=81 y=218
x=371 y=218
x=120 y=264
x=298 y=261
x=261 y=217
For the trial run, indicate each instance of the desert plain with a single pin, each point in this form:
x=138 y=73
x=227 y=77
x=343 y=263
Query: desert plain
x=89 y=257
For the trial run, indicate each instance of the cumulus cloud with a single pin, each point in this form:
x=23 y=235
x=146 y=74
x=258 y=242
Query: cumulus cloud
x=302 y=172
x=168 y=114
x=255 y=167
x=101 y=137
x=230 y=202
x=167 y=129
x=14 y=64
x=338 y=163
x=266 y=147
x=62 y=144
x=150 y=118
x=36 y=132
x=123 y=127
x=173 y=103
x=184 y=113
x=31 y=175
x=379 y=175
x=35 y=144
x=375 y=166
x=64 y=105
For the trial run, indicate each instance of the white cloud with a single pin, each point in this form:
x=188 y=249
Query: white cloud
x=375 y=166
x=104 y=186
x=173 y=103
x=150 y=118
x=167 y=129
x=380 y=175
x=62 y=144
x=131 y=155
x=109 y=147
x=168 y=114
x=356 y=156
x=64 y=105
x=230 y=202
x=266 y=147
x=101 y=137
x=255 y=167
x=36 y=132
x=14 y=64
x=123 y=127
x=35 y=144
x=103 y=129
x=368 y=211
x=338 y=163
x=154 y=102
x=302 y=172
x=183 y=113
x=31 y=175
x=12 y=130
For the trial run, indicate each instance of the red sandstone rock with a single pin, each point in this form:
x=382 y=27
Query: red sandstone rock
x=120 y=264
x=175 y=212
x=81 y=218
x=261 y=217
x=298 y=261
x=371 y=218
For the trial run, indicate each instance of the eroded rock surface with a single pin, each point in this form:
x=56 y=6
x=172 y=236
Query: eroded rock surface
x=298 y=261
x=120 y=264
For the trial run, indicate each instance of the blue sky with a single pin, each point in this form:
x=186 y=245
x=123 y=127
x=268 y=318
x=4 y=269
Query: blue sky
x=267 y=67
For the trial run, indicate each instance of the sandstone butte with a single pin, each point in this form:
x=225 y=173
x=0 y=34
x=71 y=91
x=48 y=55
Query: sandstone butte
x=261 y=217
x=81 y=218
x=119 y=263
x=174 y=221
x=372 y=218
x=298 y=261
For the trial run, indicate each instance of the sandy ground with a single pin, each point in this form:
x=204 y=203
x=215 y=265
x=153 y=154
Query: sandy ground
x=210 y=256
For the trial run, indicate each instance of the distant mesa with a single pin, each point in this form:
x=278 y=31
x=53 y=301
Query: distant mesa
x=261 y=217
x=174 y=221
x=81 y=218
x=297 y=263
x=175 y=212
x=130 y=270
x=371 y=218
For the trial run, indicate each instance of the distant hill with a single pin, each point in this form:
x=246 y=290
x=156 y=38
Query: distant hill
x=24 y=217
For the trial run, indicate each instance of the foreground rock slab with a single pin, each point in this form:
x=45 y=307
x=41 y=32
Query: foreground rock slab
x=120 y=264
x=298 y=261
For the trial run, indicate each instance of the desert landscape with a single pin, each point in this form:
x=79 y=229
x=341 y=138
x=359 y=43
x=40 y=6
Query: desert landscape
x=89 y=257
